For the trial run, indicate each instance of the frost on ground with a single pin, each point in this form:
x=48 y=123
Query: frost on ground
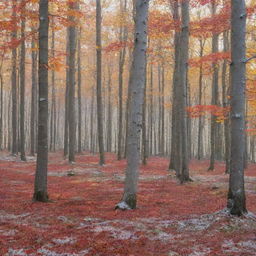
x=44 y=252
x=64 y=240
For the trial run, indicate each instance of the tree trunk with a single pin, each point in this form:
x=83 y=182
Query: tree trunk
x=109 y=127
x=184 y=43
x=14 y=84
x=40 y=188
x=79 y=92
x=71 y=76
x=123 y=33
x=174 y=161
x=53 y=105
x=200 y=124
x=215 y=41
x=236 y=194
x=33 y=111
x=226 y=103
x=66 y=128
x=99 y=82
x=137 y=83
x=22 y=90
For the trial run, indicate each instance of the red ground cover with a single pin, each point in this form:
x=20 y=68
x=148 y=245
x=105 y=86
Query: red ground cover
x=171 y=219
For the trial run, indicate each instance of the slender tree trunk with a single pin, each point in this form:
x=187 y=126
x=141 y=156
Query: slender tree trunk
x=53 y=105
x=33 y=111
x=66 y=128
x=144 y=130
x=215 y=78
x=200 y=124
x=174 y=161
x=22 y=90
x=137 y=83
x=71 y=76
x=14 y=84
x=226 y=103
x=123 y=38
x=184 y=43
x=99 y=82
x=236 y=194
x=109 y=127
x=79 y=92
x=163 y=135
x=40 y=188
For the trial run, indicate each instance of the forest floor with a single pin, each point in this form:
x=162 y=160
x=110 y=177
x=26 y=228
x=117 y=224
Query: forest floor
x=80 y=220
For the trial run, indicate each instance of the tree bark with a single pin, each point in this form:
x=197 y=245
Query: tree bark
x=215 y=41
x=66 y=128
x=184 y=43
x=200 y=123
x=236 y=194
x=79 y=92
x=53 y=105
x=14 y=83
x=174 y=161
x=22 y=89
x=40 y=186
x=99 y=81
x=71 y=76
x=137 y=83
x=34 y=95
x=123 y=33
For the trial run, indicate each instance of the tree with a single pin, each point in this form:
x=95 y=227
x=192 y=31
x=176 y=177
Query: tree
x=137 y=83
x=71 y=75
x=22 y=87
x=236 y=194
x=184 y=43
x=123 y=34
x=34 y=95
x=40 y=186
x=174 y=159
x=99 y=81
x=215 y=78
x=14 y=82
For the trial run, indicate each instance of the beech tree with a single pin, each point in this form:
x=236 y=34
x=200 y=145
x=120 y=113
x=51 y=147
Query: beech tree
x=71 y=76
x=40 y=186
x=99 y=81
x=14 y=83
x=22 y=86
x=236 y=194
x=137 y=83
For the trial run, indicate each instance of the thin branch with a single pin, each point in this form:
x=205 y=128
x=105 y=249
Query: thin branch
x=249 y=59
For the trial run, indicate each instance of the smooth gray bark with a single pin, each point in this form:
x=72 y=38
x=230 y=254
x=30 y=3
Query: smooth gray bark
x=33 y=111
x=236 y=194
x=137 y=83
x=214 y=101
x=79 y=92
x=71 y=76
x=40 y=188
x=14 y=84
x=22 y=90
x=99 y=81
x=184 y=44
x=174 y=160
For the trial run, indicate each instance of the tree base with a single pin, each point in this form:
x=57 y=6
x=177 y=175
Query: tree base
x=128 y=202
x=41 y=196
x=236 y=207
x=210 y=169
x=185 y=180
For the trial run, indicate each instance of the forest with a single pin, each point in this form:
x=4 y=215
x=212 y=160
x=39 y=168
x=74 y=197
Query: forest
x=128 y=127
